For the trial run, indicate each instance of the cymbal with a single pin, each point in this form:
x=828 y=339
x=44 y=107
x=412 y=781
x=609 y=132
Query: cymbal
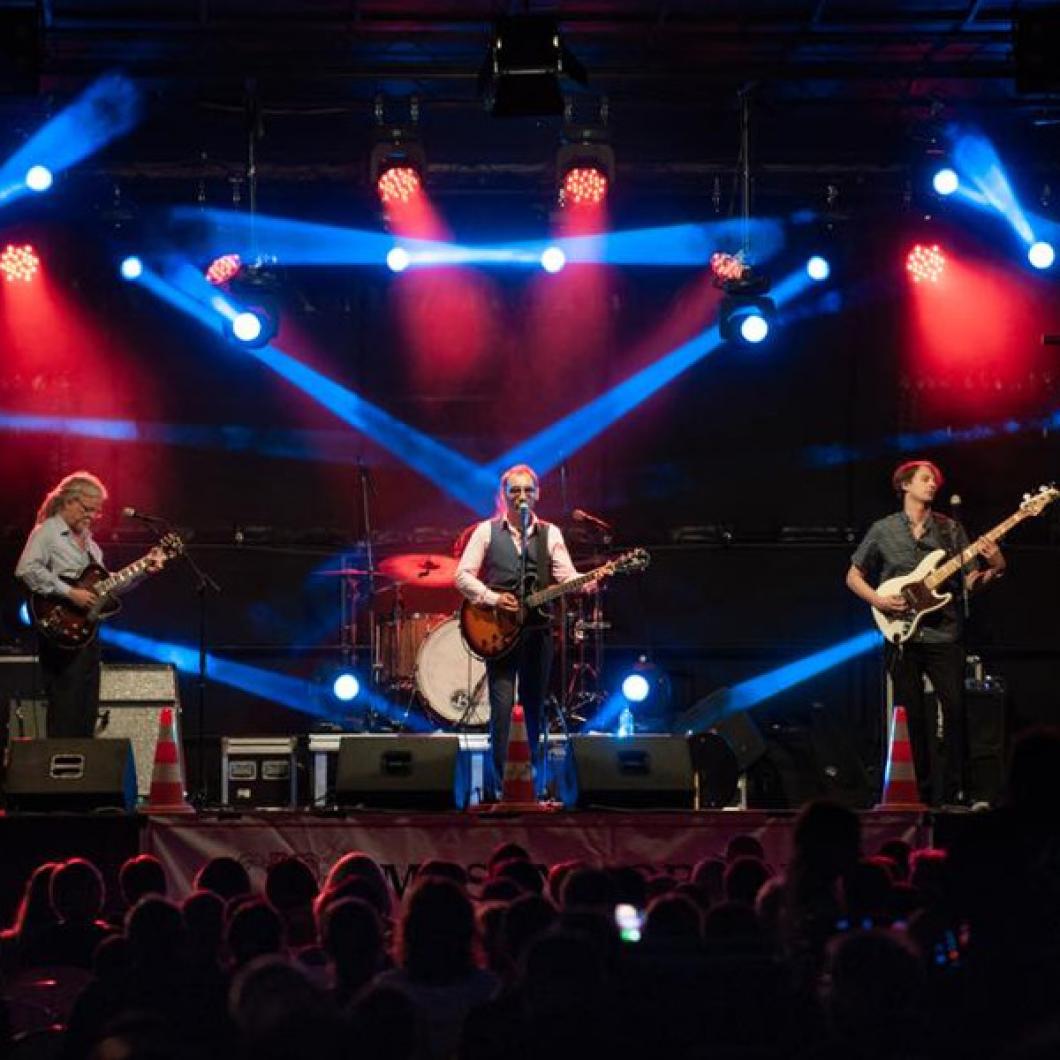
x=431 y=570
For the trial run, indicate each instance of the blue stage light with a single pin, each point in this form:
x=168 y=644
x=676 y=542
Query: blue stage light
x=247 y=326
x=754 y=328
x=24 y=616
x=346 y=687
x=132 y=268
x=818 y=268
x=1041 y=254
x=553 y=259
x=636 y=688
x=398 y=259
x=39 y=178
x=945 y=181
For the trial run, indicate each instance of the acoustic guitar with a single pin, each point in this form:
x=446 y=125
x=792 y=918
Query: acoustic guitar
x=491 y=633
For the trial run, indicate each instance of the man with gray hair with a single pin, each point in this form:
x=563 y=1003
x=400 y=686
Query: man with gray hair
x=58 y=550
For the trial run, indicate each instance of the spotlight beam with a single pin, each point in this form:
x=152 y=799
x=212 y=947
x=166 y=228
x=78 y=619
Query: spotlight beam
x=756 y=690
x=550 y=447
x=107 y=109
x=305 y=243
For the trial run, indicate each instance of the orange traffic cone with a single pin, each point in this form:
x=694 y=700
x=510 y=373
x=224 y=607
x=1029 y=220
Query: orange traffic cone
x=167 y=778
x=900 y=791
x=517 y=794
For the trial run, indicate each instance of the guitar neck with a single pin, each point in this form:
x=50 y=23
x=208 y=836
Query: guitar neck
x=954 y=563
x=554 y=592
x=119 y=579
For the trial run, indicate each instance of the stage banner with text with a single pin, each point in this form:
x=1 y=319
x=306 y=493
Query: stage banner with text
x=668 y=843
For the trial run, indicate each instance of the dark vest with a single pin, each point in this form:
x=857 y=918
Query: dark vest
x=503 y=562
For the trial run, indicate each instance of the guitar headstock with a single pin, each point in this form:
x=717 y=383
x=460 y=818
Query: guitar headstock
x=171 y=544
x=634 y=560
x=1035 y=503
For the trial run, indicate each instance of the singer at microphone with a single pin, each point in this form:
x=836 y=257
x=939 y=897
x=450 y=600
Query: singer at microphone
x=505 y=560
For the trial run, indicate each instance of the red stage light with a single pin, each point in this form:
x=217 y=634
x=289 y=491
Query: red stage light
x=925 y=264
x=223 y=269
x=583 y=186
x=727 y=267
x=398 y=184
x=19 y=264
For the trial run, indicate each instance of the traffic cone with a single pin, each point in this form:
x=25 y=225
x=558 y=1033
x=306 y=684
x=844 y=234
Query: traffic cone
x=167 y=778
x=900 y=791
x=517 y=793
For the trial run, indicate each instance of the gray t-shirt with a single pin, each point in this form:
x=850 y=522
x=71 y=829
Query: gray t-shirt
x=889 y=550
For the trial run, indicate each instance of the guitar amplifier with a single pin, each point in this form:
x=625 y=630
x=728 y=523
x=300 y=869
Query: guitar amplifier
x=131 y=698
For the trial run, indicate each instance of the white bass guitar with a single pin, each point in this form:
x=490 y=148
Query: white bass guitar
x=920 y=588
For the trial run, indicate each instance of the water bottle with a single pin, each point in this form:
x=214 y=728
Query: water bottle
x=625 y=722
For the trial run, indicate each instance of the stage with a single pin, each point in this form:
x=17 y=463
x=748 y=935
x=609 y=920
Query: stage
x=661 y=841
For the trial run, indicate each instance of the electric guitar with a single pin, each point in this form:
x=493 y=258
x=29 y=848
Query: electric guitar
x=68 y=626
x=920 y=588
x=491 y=633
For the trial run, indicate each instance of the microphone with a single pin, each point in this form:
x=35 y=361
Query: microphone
x=135 y=513
x=580 y=516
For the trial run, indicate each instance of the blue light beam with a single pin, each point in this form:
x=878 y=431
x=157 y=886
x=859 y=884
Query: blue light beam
x=107 y=109
x=556 y=443
x=756 y=690
x=979 y=165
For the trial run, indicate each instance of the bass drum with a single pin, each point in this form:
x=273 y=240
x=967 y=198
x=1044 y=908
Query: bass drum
x=451 y=680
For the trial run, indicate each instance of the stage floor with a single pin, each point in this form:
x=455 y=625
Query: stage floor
x=661 y=841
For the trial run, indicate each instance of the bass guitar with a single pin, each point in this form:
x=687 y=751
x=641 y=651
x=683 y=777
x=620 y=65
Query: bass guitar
x=68 y=626
x=920 y=588
x=491 y=633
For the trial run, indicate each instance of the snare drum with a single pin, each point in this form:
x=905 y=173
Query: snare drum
x=451 y=680
x=400 y=640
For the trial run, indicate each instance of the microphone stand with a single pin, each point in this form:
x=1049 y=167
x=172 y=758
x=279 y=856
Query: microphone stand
x=367 y=489
x=203 y=584
x=955 y=506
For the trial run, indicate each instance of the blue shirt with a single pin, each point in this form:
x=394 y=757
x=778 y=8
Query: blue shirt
x=53 y=552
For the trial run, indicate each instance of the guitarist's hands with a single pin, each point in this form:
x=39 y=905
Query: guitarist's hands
x=156 y=560
x=82 y=598
x=891 y=605
x=507 y=602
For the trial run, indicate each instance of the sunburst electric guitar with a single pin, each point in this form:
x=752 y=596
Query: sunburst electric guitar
x=68 y=626
x=920 y=588
x=491 y=633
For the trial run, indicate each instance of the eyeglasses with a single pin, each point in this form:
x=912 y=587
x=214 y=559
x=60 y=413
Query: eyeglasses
x=87 y=509
x=514 y=491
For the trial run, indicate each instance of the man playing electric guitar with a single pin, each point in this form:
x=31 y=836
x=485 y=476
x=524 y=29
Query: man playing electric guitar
x=893 y=546
x=489 y=574
x=58 y=550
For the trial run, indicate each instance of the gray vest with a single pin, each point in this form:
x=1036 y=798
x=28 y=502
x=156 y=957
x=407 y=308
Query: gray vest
x=503 y=562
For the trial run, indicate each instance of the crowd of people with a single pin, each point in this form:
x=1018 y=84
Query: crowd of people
x=889 y=953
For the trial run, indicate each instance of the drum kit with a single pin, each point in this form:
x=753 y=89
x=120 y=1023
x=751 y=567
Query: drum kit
x=420 y=660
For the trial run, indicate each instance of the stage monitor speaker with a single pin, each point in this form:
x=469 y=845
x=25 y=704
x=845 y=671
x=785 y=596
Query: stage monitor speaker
x=74 y=775
x=402 y=772
x=633 y=772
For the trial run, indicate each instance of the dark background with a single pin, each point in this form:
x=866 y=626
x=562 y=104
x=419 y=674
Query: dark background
x=717 y=474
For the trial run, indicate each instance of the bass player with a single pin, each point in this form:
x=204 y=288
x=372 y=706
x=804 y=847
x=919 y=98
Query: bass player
x=894 y=546
x=59 y=548
x=489 y=574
